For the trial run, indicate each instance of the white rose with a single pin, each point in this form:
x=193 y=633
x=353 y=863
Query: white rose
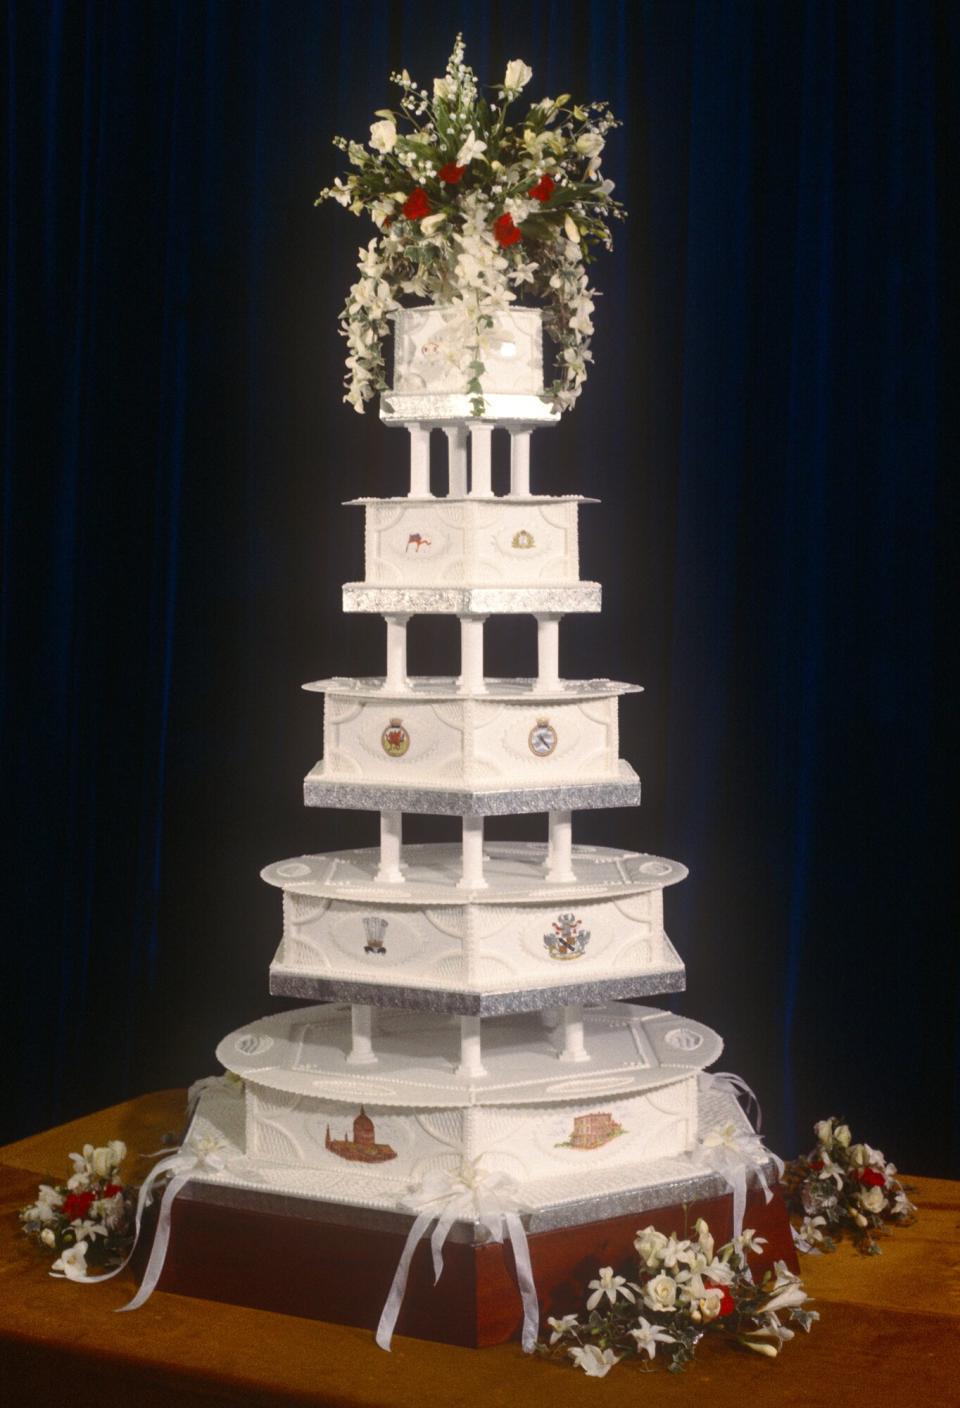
x=842 y=1135
x=661 y=1293
x=383 y=135
x=432 y=222
x=517 y=76
x=649 y=1243
x=859 y=1155
x=702 y=1230
x=709 y=1304
x=47 y=1237
x=824 y=1131
x=873 y=1200
x=590 y=144
x=102 y=1162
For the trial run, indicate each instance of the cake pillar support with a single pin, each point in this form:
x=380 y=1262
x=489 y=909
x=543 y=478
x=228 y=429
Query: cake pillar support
x=361 y=1035
x=419 y=461
x=471 y=1054
x=396 y=652
x=457 y=461
x=391 y=830
x=471 y=655
x=548 y=651
x=560 y=849
x=471 y=877
x=520 y=462
x=481 y=437
x=573 y=1047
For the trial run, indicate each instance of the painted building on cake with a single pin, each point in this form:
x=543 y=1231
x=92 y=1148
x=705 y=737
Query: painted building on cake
x=362 y=1148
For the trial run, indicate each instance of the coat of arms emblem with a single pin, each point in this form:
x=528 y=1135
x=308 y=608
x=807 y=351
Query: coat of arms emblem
x=395 y=740
x=569 y=938
x=542 y=738
x=522 y=539
x=374 y=927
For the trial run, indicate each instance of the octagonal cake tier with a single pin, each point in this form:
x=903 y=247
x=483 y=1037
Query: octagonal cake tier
x=432 y=349
x=524 y=943
x=444 y=750
x=508 y=541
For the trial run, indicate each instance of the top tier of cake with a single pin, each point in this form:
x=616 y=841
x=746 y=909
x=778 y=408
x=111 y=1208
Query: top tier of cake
x=431 y=367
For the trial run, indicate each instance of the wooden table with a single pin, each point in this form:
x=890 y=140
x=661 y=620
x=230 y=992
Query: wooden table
x=889 y=1333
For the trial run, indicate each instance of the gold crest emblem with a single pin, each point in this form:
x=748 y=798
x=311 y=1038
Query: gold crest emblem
x=523 y=539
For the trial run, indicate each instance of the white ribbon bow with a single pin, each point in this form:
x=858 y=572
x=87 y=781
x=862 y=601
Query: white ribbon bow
x=199 y=1153
x=732 y=1152
x=469 y=1194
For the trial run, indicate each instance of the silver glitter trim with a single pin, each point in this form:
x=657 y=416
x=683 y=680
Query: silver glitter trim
x=412 y=408
x=433 y=801
x=285 y=982
x=527 y=500
x=471 y=601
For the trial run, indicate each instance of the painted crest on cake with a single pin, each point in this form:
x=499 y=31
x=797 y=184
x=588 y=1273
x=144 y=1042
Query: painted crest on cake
x=417 y=541
x=362 y=1148
x=569 y=938
x=523 y=539
x=374 y=927
x=592 y=1131
x=395 y=740
x=542 y=739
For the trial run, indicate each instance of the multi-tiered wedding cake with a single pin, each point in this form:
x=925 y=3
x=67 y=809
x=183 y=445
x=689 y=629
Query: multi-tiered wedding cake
x=470 y=994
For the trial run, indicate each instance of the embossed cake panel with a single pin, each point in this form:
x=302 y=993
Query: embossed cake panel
x=451 y=542
x=523 y=950
x=429 y=350
x=469 y=741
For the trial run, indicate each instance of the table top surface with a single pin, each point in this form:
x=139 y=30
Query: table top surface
x=888 y=1332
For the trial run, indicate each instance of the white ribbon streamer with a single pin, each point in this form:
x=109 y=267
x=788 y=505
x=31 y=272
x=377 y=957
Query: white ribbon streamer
x=471 y=1194
x=734 y=1153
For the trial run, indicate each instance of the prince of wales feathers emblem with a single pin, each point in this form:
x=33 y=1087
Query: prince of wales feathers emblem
x=569 y=939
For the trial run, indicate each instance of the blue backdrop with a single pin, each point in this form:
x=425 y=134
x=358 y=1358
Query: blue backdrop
x=762 y=425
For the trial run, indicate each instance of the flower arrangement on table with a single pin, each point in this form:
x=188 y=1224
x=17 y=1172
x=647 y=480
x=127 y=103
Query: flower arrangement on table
x=472 y=209
x=685 y=1289
x=841 y=1187
x=88 y=1221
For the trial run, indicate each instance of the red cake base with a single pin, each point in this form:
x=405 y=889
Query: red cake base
x=307 y=1265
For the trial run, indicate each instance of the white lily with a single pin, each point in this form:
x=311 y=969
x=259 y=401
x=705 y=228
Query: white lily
x=71 y=1263
x=649 y=1336
x=610 y=1286
x=593 y=1361
x=560 y=1326
x=471 y=147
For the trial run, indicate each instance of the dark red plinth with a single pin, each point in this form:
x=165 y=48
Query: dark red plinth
x=325 y=1270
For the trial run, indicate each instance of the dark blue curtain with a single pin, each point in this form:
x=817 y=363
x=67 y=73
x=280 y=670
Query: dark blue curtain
x=764 y=425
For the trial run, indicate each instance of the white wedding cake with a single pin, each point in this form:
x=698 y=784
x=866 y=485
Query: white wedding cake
x=472 y=995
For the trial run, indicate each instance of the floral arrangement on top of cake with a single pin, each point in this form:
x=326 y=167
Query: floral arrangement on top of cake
x=685 y=1288
x=89 y=1220
x=841 y=1187
x=473 y=209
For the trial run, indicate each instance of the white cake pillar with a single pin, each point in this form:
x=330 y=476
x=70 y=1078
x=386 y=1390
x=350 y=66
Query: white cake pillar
x=471 y=877
x=471 y=1054
x=520 y=462
x=361 y=1035
x=457 y=460
x=419 y=461
x=471 y=655
x=396 y=652
x=573 y=1047
x=548 y=650
x=391 y=831
x=560 y=849
x=481 y=438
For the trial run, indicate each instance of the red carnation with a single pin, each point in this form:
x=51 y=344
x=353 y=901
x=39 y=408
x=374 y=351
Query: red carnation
x=451 y=173
x=417 y=204
x=872 y=1178
x=112 y=1189
x=727 y=1305
x=816 y=1165
x=506 y=231
x=544 y=188
x=77 y=1205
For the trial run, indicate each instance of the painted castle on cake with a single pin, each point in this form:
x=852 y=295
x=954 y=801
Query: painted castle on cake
x=471 y=993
